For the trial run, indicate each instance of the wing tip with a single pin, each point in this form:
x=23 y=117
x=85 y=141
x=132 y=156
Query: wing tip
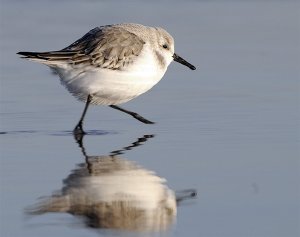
x=32 y=55
x=28 y=54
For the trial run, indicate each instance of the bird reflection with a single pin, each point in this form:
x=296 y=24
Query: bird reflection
x=111 y=192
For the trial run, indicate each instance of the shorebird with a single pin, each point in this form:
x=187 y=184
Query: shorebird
x=112 y=64
x=112 y=192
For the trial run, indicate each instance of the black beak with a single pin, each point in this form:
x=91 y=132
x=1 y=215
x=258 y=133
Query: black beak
x=182 y=61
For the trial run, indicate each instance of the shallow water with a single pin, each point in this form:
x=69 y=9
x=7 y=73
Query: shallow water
x=229 y=130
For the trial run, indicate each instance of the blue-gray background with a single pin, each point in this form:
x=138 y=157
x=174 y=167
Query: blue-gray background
x=230 y=129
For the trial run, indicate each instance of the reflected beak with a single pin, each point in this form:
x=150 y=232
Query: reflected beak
x=182 y=61
x=185 y=194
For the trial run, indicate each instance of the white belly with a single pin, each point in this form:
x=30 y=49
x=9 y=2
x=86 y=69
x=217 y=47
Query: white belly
x=109 y=87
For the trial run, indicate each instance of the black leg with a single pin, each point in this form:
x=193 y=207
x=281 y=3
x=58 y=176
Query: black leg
x=78 y=129
x=133 y=114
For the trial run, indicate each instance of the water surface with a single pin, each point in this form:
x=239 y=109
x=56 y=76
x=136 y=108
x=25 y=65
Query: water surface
x=229 y=130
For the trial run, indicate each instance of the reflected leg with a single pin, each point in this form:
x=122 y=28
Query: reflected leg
x=133 y=114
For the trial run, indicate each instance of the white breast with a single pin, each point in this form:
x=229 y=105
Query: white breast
x=113 y=86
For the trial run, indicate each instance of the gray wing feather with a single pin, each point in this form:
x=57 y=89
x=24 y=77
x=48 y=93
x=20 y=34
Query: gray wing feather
x=110 y=47
x=106 y=47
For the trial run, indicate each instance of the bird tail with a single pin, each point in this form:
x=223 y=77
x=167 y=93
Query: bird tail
x=49 y=58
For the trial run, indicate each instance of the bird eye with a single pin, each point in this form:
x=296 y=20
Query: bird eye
x=165 y=46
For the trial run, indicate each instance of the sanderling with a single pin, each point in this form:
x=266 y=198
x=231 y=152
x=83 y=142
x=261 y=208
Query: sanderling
x=112 y=64
x=112 y=192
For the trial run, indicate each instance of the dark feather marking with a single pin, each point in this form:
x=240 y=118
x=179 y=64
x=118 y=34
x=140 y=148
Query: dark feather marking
x=160 y=58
